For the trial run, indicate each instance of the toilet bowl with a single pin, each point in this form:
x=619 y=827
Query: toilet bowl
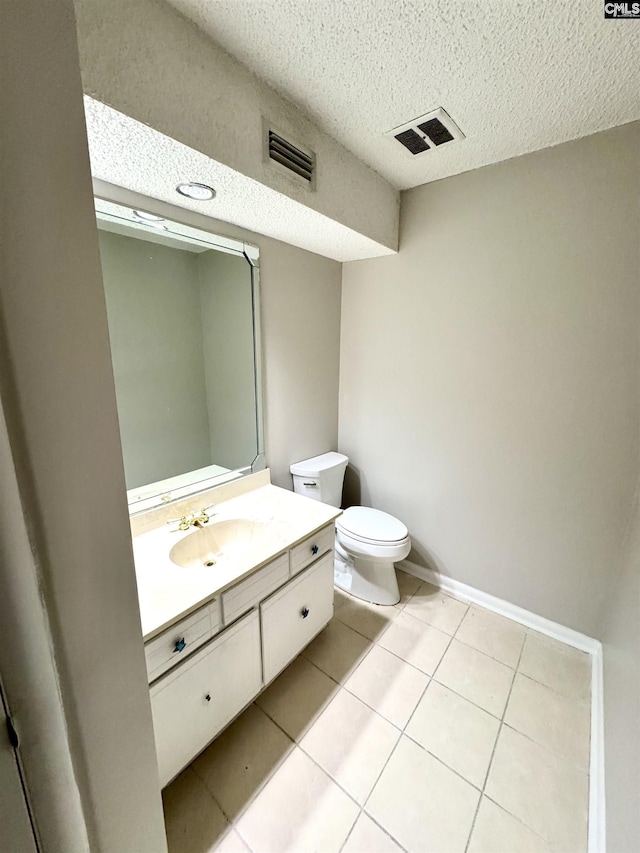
x=368 y=541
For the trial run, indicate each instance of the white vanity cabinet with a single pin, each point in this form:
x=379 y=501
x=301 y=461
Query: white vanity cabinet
x=196 y=700
x=293 y=616
x=209 y=666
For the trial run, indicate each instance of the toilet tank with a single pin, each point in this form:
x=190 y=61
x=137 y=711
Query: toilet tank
x=321 y=477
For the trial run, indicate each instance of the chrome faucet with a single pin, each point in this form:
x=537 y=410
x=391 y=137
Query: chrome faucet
x=193 y=520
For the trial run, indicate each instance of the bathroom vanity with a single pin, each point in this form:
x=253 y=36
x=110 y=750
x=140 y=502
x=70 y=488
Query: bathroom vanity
x=225 y=611
x=229 y=595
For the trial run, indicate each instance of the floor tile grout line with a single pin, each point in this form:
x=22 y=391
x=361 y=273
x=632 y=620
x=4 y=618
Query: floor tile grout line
x=342 y=846
x=234 y=821
x=586 y=704
x=382 y=828
x=379 y=776
x=516 y=818
x=236 y=828
x=546 y=749
x=366 y=636
x=443 y=656
x=400 y=732
x=493 y=752
x=366 y=654
x=444 y=763
x=515 y=671
x=333 y=698
x=466 y=698
x=230 y=824
x=297 y=745
x=422 y=695
x=230 y=821
x=481 y=652
x=313 y=760
x=431 y=677
x=555 y=692
x=412 y=665
x=527 y=632
x=344 y=686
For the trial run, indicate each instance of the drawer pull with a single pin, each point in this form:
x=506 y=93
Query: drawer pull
x=304 y=612
x=179 y=646
x=208 y=697
x=314 y=549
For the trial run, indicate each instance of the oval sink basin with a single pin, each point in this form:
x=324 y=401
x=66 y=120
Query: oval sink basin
x=207 y=545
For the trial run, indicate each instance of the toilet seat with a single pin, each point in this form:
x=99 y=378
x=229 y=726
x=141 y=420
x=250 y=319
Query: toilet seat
x=372 y=527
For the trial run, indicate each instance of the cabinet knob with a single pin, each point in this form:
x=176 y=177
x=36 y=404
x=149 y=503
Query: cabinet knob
x=179 y=646
x=208 y=697
x=314 y=549
x=304 y=612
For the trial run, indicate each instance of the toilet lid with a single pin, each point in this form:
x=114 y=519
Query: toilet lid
x=371 y=525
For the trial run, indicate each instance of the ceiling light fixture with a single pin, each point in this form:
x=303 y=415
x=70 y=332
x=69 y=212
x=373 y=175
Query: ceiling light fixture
x=198 y=192
x=147 y=217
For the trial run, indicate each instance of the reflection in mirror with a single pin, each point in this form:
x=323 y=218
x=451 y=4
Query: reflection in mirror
x=181 y=305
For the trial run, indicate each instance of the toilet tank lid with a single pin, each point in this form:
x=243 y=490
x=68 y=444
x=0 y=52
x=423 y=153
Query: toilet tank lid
x=315 y=466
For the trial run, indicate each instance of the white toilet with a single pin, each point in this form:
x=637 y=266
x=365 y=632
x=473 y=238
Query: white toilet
x=368 y=541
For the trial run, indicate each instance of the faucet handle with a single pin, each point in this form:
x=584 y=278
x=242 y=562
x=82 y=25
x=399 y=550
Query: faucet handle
x=206 y=513
x=182 y=523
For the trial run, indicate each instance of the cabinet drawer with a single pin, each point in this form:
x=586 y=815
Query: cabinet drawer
x=167 y=649
x=191 y=704
x=286 y=629
x=312 y=548
x=251 y=590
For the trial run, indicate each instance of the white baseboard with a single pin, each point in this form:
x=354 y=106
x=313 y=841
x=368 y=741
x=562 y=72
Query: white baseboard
x=597 y=824
x=597 y=812
x=504 y=608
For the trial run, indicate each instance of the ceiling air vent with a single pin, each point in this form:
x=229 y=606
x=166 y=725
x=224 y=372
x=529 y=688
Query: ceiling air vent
x=426 y=132
x=289 y=157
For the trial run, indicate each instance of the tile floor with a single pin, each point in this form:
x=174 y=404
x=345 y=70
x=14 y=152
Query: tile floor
x=428 y=726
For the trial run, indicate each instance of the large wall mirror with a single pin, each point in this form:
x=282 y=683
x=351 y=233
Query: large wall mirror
x=183 y=314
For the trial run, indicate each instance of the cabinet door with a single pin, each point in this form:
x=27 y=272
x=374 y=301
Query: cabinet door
x=194 y=701
x=293 y=616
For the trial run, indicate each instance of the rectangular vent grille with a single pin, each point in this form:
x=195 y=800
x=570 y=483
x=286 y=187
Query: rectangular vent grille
x=411 y=140
x=427 y=132
x=436 y=131
x=292 y=158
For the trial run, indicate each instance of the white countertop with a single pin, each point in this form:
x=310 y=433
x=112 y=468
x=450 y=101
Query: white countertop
x=167 y=592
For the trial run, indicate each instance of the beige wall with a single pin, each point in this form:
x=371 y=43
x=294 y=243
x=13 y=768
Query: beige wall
x=621 y=643
x=489 y=373
x=300 y=307
x=58 y=399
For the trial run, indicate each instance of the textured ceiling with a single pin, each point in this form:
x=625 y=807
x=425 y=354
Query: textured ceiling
x=516 y=75
x=129 y=154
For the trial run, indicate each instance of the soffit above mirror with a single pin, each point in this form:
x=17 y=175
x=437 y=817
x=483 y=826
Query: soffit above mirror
x=155 y=164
